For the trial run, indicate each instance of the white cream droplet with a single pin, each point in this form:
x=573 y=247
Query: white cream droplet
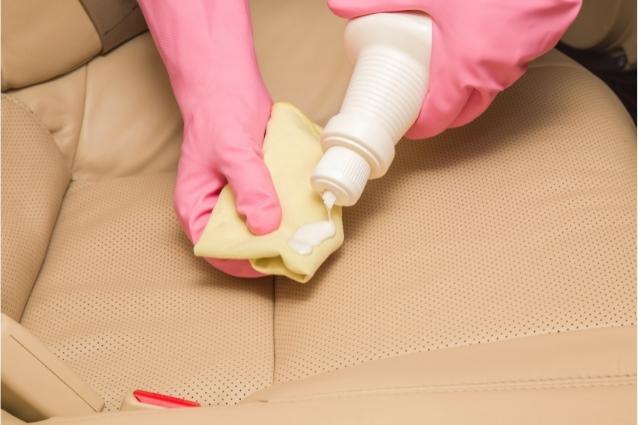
x=310 y=235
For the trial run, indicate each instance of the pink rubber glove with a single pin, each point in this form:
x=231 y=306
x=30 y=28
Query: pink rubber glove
x=207 y=47
x=479 y=48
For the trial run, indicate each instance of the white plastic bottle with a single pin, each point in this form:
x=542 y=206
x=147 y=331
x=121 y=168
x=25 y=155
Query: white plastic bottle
x=383 y=100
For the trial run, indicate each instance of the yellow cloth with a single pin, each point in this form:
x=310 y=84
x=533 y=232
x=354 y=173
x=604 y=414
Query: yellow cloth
x=291 y=151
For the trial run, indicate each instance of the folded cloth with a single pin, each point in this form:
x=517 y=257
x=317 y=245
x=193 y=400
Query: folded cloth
x=291 y=151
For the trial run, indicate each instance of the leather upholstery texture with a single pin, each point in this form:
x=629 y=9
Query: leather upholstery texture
x=115 y=116
x=521 y=223
x=489 y=275
x=43 y=39
x=123 y=300
x=34 y=180
x=606 y=357
x=115 y=21
x=524 y=381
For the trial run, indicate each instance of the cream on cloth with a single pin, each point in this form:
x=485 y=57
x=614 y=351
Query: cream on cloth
x=291 y=151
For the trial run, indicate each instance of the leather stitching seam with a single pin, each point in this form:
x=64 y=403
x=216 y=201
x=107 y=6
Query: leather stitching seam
x=515 y=385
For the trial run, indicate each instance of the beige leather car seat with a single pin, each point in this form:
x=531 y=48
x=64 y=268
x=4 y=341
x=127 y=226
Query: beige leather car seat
x=490 y=276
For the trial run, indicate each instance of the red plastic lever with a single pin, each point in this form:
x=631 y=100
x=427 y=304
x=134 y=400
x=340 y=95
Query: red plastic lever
x=162 y=400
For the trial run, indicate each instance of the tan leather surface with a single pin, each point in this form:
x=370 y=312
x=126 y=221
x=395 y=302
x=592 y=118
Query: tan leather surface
x=554 y=58
x=123 y=301
x=570 y=406
x=128 y=119
x=59 y=105
x=116 y=21
x=301 y=56
x=42 y=39
x=8 y=419
x=34 y=180
x=113 y=117
x=580 y=358
x=575 y=378
x=35 y=383
x=131 y=122
x=522 y=223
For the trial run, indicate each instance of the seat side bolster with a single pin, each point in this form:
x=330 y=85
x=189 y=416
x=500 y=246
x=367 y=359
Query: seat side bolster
x=582 y=406
x=34 y=182
x=597 y=357
x=35 y=383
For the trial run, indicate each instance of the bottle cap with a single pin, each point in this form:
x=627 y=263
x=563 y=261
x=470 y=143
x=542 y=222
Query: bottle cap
x=342 y=172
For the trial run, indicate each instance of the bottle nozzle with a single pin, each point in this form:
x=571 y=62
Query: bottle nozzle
x=343 y=173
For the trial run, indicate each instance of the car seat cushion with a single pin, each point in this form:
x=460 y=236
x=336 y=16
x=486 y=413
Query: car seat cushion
x=124 y=302
x=522 y=223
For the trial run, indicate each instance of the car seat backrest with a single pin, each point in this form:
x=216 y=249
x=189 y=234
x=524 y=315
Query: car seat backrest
x=34 y=180
x=37 y=47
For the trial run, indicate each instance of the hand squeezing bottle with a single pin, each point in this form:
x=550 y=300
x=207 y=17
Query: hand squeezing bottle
x=383 y=100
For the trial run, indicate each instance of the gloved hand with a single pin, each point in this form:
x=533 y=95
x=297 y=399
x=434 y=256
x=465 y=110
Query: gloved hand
x=479 y=48
x=207 y=47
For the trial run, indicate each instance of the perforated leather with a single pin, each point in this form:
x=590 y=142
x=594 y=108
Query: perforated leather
x=124 y=302
x=34 y=179
x=520 y=224
x=120 y=297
